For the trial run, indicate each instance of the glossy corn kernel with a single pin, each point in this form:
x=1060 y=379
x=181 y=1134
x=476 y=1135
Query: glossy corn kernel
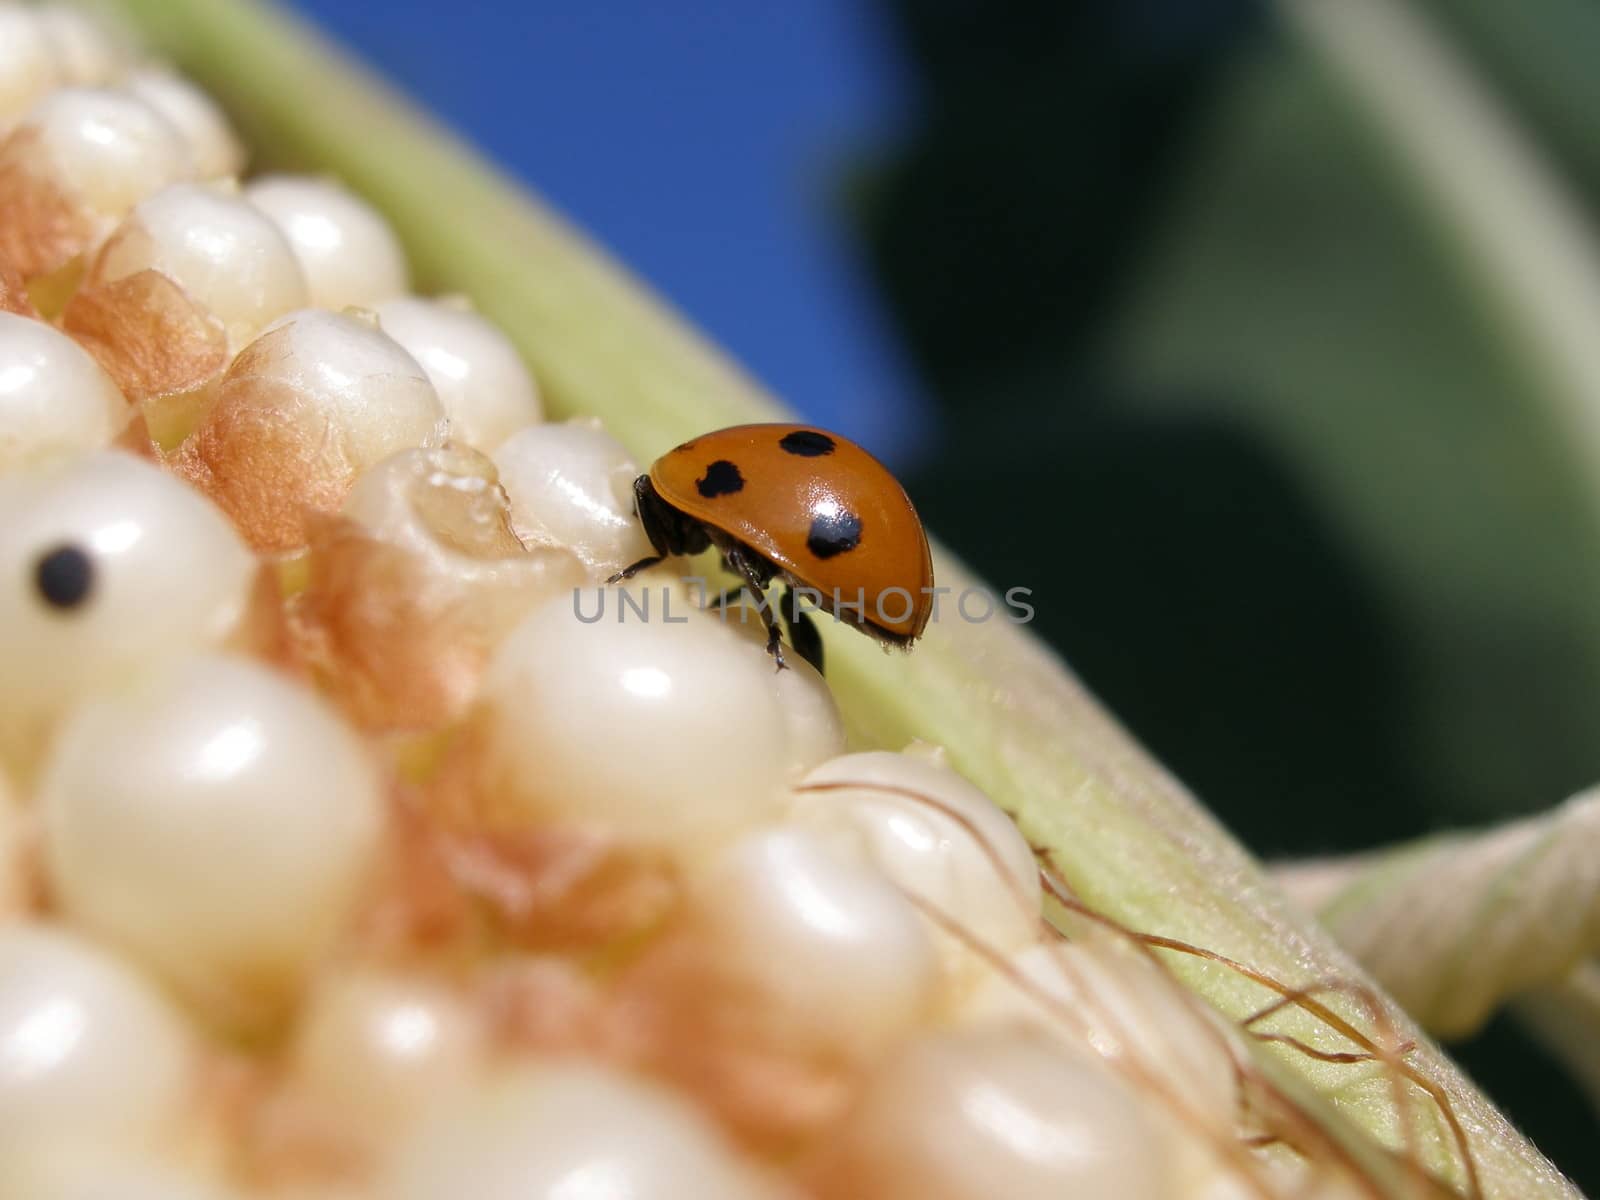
x=571 y=485
x=302 y=411
x=93 y=1055
x=486 y=390
x=212 y=778
x=73 y=166
x=349 y=253
x=89 y=551
x=214 y=147
x=55 y=401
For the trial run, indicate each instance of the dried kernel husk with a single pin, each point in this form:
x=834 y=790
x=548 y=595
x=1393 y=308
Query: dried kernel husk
x=42 y=228
x=14 y=297
x=163 y=349
x=287 y=437
x=408 y=593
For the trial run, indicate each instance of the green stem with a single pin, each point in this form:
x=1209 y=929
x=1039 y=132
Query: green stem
x=1124 y=833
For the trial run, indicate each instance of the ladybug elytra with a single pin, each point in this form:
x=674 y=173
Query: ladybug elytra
x=799 y=504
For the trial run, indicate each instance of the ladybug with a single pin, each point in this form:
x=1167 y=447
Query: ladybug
x=802 y=505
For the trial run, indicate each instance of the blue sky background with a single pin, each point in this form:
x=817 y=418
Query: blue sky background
x=708 y=146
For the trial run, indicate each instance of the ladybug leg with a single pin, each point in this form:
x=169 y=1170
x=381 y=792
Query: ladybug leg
x=632 y=569
x=803 y=635
x=669 y=531
x=753 y=578
x=728 y=596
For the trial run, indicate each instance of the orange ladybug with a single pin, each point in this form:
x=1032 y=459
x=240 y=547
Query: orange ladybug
x=803 y=505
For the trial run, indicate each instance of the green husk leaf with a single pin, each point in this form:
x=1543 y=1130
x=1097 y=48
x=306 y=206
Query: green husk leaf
x=1128 y=838
x=1457 y=924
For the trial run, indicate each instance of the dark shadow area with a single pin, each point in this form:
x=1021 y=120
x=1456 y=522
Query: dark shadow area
x=1221 y=622
x=1544 y=1102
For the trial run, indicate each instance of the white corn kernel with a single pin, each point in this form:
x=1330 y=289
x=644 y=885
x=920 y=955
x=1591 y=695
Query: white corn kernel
x=218 y=247
x=382 y=1049
x=108 y=567
x=569 y=1131
x=970 y=1116
x=300 y=414
x=572 y=485
x=482 y=381
x=112 y=149
x=29 y=66
x=816 y=731
x=216 y=820
x=90 y=1053
x=216 y=150
x=937 y=836
x=1102 y=995
x=85 y=50
x=364 y=388
x=837 y=953
x=350 y=255
x=55 y=401
x=71 y=1170
x=103 y=151
x=668 y=728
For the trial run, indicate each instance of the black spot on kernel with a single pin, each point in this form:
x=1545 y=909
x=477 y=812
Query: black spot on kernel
x=807 y=443
x=834 y=533
x=722 y=478
x=64 y=577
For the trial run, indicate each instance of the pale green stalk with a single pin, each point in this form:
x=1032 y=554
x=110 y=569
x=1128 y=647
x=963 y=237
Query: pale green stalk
x=1124 y=833
x=1456 y=924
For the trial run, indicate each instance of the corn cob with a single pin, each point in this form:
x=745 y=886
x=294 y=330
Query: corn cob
x=346 y=858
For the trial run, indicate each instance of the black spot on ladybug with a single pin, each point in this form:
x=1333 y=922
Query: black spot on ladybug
x=722 y=478
x=807 y=443
x=64 y=577
x=834 y=533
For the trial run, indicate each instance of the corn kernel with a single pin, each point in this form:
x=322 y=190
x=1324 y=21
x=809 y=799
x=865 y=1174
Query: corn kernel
x=158 y=573
x=74 y=166
x=97 y=1173
x=218 y=247
x=90 y=1053
x=1119 y=1005
x=300 y=414
x=29 y=65
x=572 y=485
x=409 y=593
x=86 y=52
x=837 y=956
x=692 y=699
x=937 y=836
x=599 y=1134
x=383 y=1049
x=486 y=389
x=349 y=253
x=967 y=1116
x=217 y=779
x=214 y=147
x=55 y=401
